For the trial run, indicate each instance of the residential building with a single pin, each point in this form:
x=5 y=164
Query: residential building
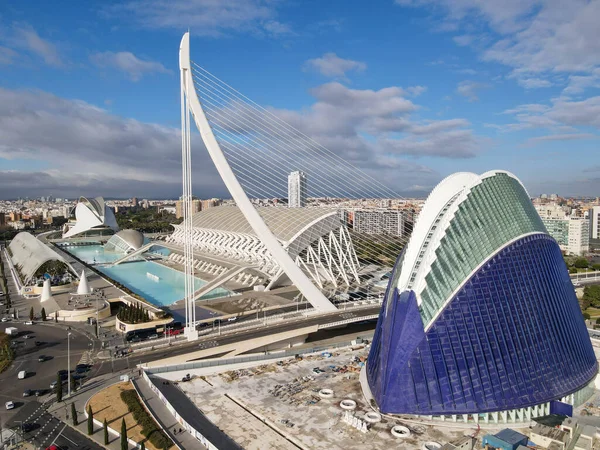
x=196 y=206
x=594 y=216
x=297 y=189
x=579 y=236
x=380 y=221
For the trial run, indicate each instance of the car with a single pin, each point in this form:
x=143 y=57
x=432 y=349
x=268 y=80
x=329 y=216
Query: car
x=22 y=375
x=27 y=393
x=53 y=384
x=41 y=358
x=27 y=336
x=9 y=405
x=153 y=336
x=62 y=372
x=27 y=427
x=136 y=339
x=80 y=370
x=40 y=392
x=79 y=376
x=29 y=322
x=5 y=319
x=232 y=319
x=38 y=343
x=82 y=366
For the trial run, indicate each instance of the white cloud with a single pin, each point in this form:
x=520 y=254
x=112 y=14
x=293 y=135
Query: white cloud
x=534 y=83
x=560 y=137
x=206 y=17
x=415 y=91
x=128 y=63
x=469 y=89
x=87 y=147
x=332 y=65
x=23 y=37
x=464 y=40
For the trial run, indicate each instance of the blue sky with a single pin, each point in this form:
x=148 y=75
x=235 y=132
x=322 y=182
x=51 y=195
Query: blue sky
x=89 y=91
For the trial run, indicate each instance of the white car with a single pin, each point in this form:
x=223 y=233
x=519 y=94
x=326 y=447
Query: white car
x=29 y=322
x=9 y=405
x=5 y=319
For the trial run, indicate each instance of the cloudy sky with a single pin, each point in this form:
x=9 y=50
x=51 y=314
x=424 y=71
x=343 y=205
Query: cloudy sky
x=89 y=91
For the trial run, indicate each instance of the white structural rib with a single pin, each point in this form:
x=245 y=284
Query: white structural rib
x=299 y=278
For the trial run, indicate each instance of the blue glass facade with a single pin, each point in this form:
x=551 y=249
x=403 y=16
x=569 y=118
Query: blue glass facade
x=512 y=337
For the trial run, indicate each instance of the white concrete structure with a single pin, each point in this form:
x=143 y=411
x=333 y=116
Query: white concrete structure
x=191 y=102
x=381 y=221
x=297 y=189
x=46 y=291
x=595 y=222
x=314 y=237
x=29 y=254
x=92 y=218
x=83 y=288
x=126 y=241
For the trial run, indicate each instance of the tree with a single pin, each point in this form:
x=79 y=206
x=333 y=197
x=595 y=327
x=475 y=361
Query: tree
x=59 y=392
x=591 y=294
x=43 y=314
x=124 y=443
x=596 y=266
x=105 y=425
x=142 y=446
x=586 y=316
x=90 y=421
x=581 y=263
x=31 y=314
x=74 y=415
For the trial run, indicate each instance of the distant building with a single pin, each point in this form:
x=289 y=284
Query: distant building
x=380 y=221
x=211 y=203
x=297 y=189
x=196 y=207
x=595 y=222
x=2 y=219
x=571 y=233
x=544 y=436
x=134 y=202
x=92 y=218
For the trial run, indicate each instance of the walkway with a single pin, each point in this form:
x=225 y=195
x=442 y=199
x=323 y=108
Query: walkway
x=166 y=420
x=194 y=417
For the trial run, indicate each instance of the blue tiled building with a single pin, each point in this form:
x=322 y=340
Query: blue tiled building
x=480 y=319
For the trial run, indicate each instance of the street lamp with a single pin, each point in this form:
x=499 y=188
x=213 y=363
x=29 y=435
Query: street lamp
x=69 y=362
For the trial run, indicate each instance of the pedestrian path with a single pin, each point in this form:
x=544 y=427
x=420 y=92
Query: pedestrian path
x=86 y=358
x=166 y=420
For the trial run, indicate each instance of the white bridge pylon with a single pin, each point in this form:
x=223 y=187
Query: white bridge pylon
x=191 y=103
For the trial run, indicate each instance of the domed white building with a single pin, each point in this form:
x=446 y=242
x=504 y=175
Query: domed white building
x=126 y=241
x=93 y=218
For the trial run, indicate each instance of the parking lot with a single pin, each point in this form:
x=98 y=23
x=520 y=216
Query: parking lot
x=40 y=374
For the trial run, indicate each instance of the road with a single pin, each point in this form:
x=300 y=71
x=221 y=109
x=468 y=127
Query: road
x=116 y=365
x=47 y=429
x=40 y=374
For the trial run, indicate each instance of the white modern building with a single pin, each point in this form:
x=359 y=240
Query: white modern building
x=93 y=218
x=297 y=189
x=579 y=236
x=125 y=241
x=314 y=238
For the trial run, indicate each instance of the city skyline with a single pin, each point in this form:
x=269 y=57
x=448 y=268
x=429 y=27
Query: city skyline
x=458 y=98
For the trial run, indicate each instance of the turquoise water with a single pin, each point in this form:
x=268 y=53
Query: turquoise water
x=140 y=276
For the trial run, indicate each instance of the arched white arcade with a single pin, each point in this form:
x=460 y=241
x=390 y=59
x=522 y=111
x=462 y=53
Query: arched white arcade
x=191 y=103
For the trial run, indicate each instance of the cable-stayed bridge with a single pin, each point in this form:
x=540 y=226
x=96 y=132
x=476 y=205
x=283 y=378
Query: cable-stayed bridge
x=260 y=156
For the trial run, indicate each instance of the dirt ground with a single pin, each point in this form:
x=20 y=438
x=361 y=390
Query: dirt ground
x=108 y=404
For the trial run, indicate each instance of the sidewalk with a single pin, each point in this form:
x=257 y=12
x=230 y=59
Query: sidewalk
x=166 y=420
x=63 y=410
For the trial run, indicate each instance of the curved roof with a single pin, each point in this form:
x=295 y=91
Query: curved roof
x=92 y=213
x=30 y=253
x=130 y=240
x=466 y=219
x=287 y=224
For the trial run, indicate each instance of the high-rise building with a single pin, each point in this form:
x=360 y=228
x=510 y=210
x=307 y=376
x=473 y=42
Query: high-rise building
x=579 y=236
x=134 y=202
x=480 y=322
x=196 y=206
x=571 y=233
x=297 y=189
x=595 y=222
x=380 y=221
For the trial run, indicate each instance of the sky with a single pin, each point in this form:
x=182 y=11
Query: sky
x=420 y=89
